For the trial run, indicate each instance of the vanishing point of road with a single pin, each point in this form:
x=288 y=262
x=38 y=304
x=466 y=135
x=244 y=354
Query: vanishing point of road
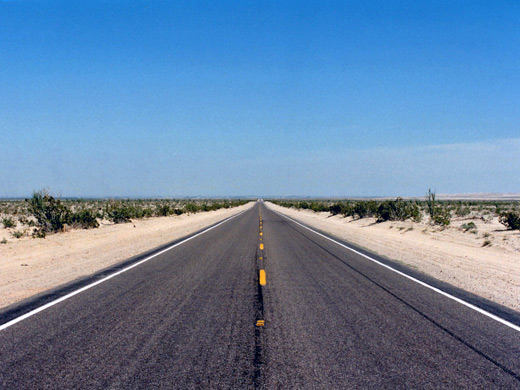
x=257 y=301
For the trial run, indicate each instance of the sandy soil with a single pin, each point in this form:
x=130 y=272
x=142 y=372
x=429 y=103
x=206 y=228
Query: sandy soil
x=29 y=266
x=449 y=254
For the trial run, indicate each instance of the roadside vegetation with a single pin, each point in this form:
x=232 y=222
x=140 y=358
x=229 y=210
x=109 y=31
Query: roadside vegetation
x=44 y=214
x=429 y=209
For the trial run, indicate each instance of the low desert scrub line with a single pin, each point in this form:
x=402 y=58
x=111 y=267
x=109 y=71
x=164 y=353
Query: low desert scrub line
x=438 y=212
x=44 y=214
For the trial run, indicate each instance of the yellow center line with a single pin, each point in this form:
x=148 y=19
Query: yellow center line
x=262 y=246
x=262 y=278
x=261 y=233
x=260 y=258
x=260 y=323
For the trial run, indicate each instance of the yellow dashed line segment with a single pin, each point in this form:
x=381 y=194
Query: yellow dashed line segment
x=262 y=278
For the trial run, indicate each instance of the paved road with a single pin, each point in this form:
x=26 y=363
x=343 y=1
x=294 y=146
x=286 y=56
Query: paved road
x=186 y=319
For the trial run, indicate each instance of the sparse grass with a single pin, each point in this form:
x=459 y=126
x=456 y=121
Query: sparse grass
x=17 y=234
x=470 y=226
x=9 y=222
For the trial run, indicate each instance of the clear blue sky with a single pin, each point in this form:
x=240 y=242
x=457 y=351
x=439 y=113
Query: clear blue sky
x=176 y=98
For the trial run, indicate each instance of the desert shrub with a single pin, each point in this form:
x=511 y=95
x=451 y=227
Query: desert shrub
x=319 y=206
x=84 y=219
x=9 y=222
x=511 y=220
x=178 y=211
x=148 y=212
x=415 y=213
x=442 y=216
x=462 y=211
x=191 y=208
x=135 y=211
x=397 y=210
x=17 y=234
x=119 y=214
x=23 y=220
x=487 y=243
x=364 y=208
x=163 y=210
x=4 y=241
x=338 y=208
x=470 y=226
x=39 y=233
x=50 y=214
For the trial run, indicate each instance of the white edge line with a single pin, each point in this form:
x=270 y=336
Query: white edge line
x=462 y=302
x=65 y=297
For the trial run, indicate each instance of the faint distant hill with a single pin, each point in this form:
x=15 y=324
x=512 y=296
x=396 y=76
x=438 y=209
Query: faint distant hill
x=481 y=196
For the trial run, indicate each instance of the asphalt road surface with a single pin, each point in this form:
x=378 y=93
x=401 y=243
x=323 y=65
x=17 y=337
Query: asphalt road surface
x=191 y=318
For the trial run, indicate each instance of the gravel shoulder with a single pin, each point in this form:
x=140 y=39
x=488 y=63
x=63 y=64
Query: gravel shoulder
x=29 y=266
x=450 y=255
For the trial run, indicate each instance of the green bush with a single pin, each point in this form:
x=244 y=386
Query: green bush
x=320 y=206
x=511 y=220
x=17 y=234
x=442 y=216
x=397 y=210
x=119 y=214
x=338 y=208
x=84 y=219
x=163 y=210
x=462 y=211
x=364 y=208
x=9 y=223
x=50 y=214
x=470 y=226
x=191 y=208
x=148 y=212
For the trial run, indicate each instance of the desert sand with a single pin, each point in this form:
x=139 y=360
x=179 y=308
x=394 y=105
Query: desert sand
x=29 y=266
x=451 y=255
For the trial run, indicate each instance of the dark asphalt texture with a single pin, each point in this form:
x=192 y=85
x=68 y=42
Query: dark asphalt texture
x=186 y=320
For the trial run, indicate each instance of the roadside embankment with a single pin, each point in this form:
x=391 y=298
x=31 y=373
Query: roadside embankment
x=449 y=254
x=29 y=266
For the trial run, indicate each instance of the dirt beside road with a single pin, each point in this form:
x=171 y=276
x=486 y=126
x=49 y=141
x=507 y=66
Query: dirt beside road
x=29 y=266
x=452 y=255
